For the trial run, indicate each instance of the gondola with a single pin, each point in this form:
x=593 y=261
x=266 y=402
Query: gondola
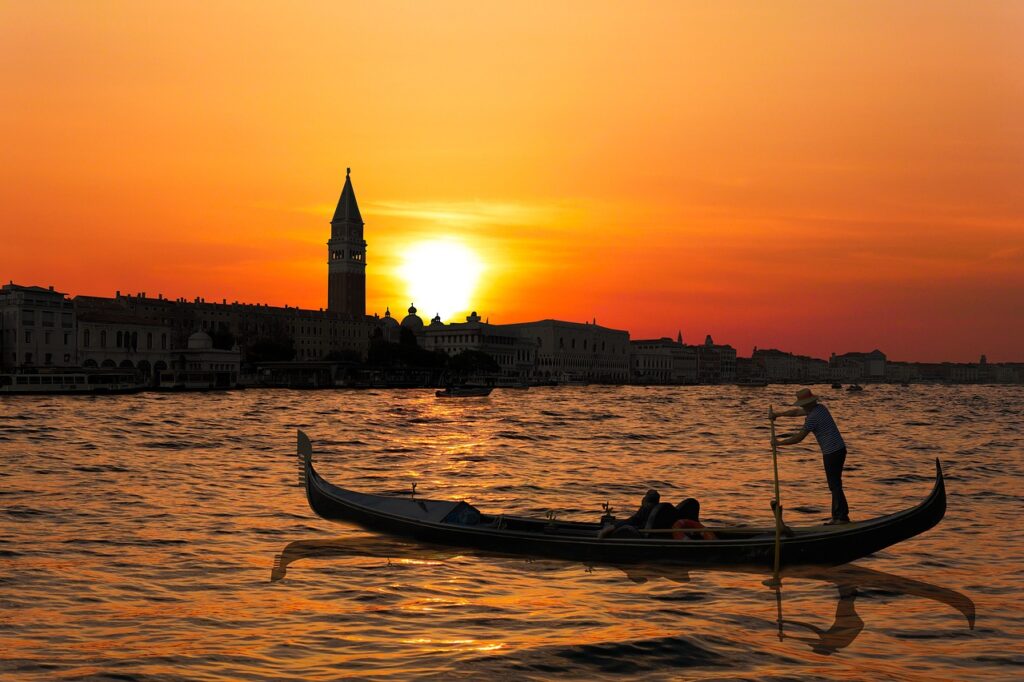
x=460 y=524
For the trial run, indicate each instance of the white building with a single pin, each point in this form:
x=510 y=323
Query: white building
x=109 y=338
x=663 y=361
x=577 y=351
x=200 y=365
x=37 y=328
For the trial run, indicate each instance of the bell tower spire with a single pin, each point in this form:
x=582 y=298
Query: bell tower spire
x=346 y=256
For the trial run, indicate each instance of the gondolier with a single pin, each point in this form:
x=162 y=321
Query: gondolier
x=818 y=420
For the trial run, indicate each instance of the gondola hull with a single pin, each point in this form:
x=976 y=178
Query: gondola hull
x=431 y=521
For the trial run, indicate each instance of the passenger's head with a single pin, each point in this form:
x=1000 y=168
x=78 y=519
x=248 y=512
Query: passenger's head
x=651 y=498
x=689 y=509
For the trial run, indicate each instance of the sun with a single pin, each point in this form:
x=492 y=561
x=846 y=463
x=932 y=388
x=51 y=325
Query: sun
x=441 y=276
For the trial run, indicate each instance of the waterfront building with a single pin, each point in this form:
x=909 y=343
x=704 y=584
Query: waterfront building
x=310 y=334
x=577 y=351
x=651 y=361
x=515 y=353
x=37 y=328
x=716 y=363
x=663 y=361
x=199 y=365
x=109 y=337
x=850 y=367
x=780 y=366
x=902 y=372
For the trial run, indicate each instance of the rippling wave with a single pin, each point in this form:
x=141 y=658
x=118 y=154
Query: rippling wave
x=163 y=536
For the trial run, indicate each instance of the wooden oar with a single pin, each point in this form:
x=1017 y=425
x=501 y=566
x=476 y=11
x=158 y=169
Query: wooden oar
x=778 y=502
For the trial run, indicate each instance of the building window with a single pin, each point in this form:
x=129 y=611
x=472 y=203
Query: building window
x=46 y=337
x=28 y=337
x=28 y=358
x=67 y=339
x=28 y=317
x=67 y=357
x=149 y=340
x=119 y=339
x=103 y=338
x=48 y=358
x=163 y=341
x=85 y=338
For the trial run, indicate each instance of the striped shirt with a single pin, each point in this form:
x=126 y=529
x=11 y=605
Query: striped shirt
x=819 y=422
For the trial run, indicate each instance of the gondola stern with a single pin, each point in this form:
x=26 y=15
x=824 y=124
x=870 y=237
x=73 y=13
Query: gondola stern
x=304 y=448
x=939 y=491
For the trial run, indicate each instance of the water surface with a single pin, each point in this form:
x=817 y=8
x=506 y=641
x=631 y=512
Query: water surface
x=163 y=536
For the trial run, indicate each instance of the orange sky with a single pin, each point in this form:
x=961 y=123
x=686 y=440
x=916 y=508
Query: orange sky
x=812 y=176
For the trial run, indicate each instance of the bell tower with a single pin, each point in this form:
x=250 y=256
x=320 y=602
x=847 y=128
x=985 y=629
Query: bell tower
x=346 y=256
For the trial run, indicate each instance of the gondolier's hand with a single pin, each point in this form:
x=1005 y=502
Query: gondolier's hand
x=771 y=413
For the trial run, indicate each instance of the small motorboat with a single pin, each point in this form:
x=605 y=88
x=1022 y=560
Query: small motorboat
x=837 y=385
x=464 y=392
x=457 y=523
x=854 y=387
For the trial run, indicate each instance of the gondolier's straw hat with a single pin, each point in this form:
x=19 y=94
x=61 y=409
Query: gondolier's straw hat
x=805 y=397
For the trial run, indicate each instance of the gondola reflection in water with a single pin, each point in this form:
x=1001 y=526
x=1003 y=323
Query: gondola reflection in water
x=460 y=524
x=850 y=581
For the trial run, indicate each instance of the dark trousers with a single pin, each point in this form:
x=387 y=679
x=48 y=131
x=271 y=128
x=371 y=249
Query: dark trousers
x=834 y=475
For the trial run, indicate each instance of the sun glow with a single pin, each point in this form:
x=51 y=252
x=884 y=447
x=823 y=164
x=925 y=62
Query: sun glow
x=441 y=276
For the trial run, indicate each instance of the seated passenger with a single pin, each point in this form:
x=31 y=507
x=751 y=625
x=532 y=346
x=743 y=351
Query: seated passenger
x=662 y=517
x=689 y=517
x=630 y=527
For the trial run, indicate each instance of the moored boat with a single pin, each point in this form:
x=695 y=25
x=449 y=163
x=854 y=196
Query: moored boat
x=855 y=387
x=82 y=382
x=460 y=524
x=464 y=392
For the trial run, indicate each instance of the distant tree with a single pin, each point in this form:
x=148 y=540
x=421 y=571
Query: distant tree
x=473 y=362
x=270 y=350
x=406 y=353
x=223 y=339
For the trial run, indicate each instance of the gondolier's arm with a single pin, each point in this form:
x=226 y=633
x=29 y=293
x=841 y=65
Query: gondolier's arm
x=795 y=412
x=792 y=438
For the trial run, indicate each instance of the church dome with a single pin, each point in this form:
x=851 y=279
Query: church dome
x=200 y=341
x=412 y=320
x=388 y=320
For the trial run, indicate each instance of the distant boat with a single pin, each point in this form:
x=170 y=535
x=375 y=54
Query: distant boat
x=837 y=385
x=464 y=392
x=91 y=382
x=460 y=524
x=854 y=387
